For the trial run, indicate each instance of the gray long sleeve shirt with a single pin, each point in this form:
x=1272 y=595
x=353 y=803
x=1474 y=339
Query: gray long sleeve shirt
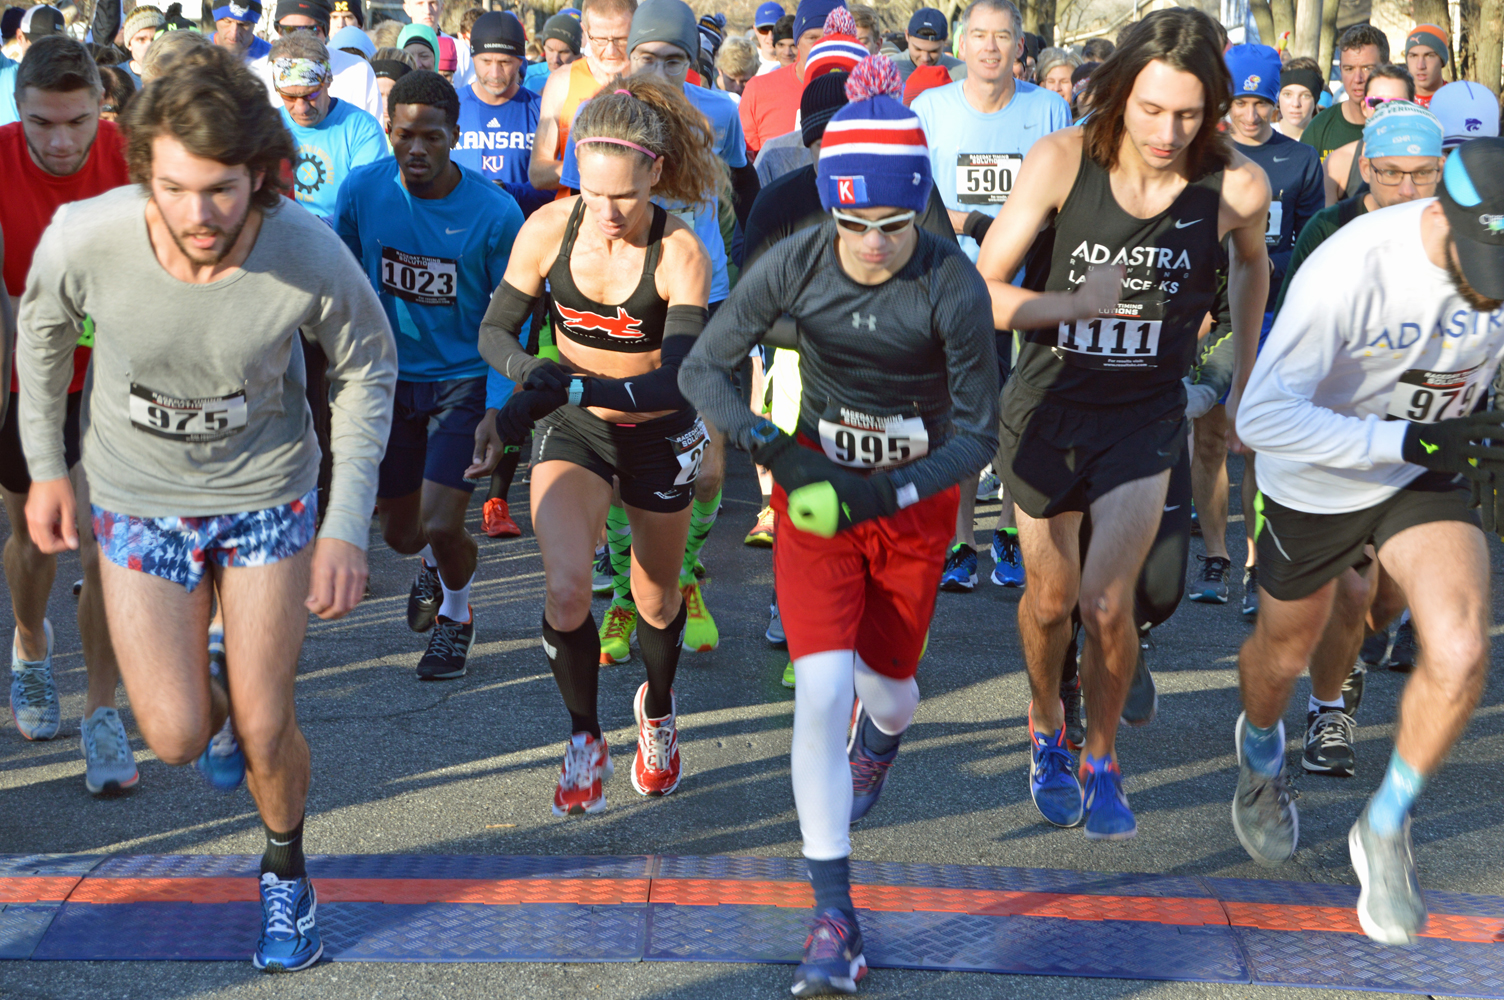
x=197 y=401
x=919 y=345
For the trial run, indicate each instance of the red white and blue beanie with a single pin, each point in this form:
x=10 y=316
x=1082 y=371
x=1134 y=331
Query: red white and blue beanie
x=874 y=151
x=837 y=51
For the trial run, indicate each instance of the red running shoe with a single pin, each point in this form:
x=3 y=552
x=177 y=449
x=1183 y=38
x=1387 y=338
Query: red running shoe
x=496 y=518
x=587 y=762
x=656 y=770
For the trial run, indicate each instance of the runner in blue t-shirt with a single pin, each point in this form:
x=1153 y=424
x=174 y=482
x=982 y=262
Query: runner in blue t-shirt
x=560 y=38
x=434 y=239
x=498 y=118
x=332 y=137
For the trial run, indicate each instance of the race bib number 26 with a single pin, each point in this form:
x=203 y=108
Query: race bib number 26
x=689 y=450
x=187 y=420
x=1125 y=336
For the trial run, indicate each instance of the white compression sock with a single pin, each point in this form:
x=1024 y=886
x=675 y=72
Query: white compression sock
x=426 y=554
x=823 y=693
x=456 y=606
x=891 y=703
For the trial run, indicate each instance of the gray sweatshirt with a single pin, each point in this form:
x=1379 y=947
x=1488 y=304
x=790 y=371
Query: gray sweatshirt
x=197 y=403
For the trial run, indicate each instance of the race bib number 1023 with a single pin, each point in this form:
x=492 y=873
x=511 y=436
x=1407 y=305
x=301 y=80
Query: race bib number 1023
x=986 y=178
x=424 y=281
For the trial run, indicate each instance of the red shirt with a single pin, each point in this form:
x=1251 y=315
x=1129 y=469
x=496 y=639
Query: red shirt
x=770 y=103
x=1424 y=100
x=32 y=195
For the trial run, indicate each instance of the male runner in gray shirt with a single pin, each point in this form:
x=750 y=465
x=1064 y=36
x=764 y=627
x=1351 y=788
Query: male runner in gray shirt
x=200 y=447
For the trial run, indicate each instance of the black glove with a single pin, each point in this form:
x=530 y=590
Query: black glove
x=550 y=376
x=824 y=497
x=1488 y=496
x=525 y=407
x=1447 y=445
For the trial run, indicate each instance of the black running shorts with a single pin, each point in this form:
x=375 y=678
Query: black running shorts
x=1300 y=552
x=13 y=473
x=656 y=461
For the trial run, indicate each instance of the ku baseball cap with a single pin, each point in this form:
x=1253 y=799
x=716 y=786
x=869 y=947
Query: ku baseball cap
x=767 y=15
x=1472 y=195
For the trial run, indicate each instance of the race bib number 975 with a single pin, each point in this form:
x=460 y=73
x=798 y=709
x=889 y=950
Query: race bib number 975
x=862 y=441
x=424 y=281
x=986 y=178
x=189 y=420
x=1425 y=397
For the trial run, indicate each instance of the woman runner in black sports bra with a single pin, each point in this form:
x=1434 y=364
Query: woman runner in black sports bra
x=629 y=286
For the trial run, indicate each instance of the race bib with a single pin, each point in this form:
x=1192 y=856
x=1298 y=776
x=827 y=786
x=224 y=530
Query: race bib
x=424 y=281
x=189 y=420
x=689 y=449
x=862 y=441
x=1276 y=219
x=986 y=178
x=1125 y=336
x=1426 y=397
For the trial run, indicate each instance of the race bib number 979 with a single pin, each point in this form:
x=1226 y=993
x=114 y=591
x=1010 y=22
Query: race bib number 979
x=986 y=178
x=424 y=281
x=1126 y=336
x=1425 y=397
x=188 y=420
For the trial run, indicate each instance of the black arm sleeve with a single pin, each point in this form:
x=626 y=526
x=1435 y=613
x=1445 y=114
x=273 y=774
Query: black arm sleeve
x=977 y=224
x=500 y=342
x=658 y=389
x=744 y=188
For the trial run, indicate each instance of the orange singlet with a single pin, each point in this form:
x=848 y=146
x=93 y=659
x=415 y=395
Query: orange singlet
x=582 y=87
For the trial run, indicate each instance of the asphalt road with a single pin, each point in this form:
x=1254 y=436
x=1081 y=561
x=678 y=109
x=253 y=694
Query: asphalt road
x=469 y=766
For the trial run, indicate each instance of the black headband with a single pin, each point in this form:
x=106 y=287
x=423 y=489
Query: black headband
x=1307 y=78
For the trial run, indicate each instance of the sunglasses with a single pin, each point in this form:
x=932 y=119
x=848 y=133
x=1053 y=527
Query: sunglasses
x=293 y=29
x=310 y=98
x=891 y=226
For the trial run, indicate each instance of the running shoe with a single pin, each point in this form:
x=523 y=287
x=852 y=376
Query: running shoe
x=1143 y=697
x=218 y=664
x=424 y=599
x=223 y=762
x=1075 y=719
x=1263 y=810
x=833 y=960
x=1007 y=560
x=700 y=633
x=1330 y=735
x=1211 y=583
x=1390 y=907
x=616 y=632
x=448 y=649
x=109 y=765
x=699 y=569
x=601 y=579
x=1352 y=689
x=988 y=486
x=587 y=762
x=761 y=535
x=1195 y=522
x=1402 y=653
x=656 y=770
x=33 y=695
x=869 y=771
x=1107 y=814
x=1250 y=592
x=788 y=675
x=775 y=635
x=78 y=587
x=960 y=574
x=289 y=932
x=1052 y=777
x=496 y=519
x=1375 y=648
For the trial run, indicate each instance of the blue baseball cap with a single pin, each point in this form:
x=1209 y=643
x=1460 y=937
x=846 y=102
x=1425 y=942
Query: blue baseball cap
x=929 y=24
x=1255 y=71
x=1472 y=195
x=767 y=15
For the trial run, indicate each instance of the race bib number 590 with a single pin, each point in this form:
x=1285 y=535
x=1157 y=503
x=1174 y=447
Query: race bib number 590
x=986 y=178
x=424 y=281
x=189 y=420
x=1125 y=336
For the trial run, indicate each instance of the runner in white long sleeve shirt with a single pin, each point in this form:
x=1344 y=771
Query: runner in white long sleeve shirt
x=1361 y=408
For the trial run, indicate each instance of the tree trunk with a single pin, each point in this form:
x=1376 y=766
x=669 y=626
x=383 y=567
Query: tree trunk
x=1264 y=18
x=1428 y=12
x=1328 y=36
x=1044 y=20
x=1282 y=13
x=1488 y=44
x=1307 y=39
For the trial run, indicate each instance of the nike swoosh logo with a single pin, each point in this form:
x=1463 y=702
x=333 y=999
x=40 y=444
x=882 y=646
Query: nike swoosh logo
x=1168 y=509
x=847 y=509
x=1280 y=159
x=1430 y=448
x=278 y=843
x=628 y=386
x=451 y=232
x=1183 y=224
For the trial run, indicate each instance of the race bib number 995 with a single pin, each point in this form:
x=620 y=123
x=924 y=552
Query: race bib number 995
x=189 y=420
x=863 y=441
x=1425 y=397
x=1125 y=336
x=986 y=178
x=424 y=281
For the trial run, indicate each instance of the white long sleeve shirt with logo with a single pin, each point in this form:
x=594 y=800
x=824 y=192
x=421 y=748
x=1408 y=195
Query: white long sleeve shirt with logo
x=1372 y=336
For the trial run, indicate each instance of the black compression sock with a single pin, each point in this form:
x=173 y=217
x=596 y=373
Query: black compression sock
x=506 y=471
x=284 y=853
x=660 y=654
x=575 y=658
x=832 y=884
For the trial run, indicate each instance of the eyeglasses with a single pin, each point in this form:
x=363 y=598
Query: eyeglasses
x=310 y=98
x=891 y=226
x=763 y=29
x=1390 y=177
x=293 y=29
x=673 y=65
x=600 y=44
x=1374 y=102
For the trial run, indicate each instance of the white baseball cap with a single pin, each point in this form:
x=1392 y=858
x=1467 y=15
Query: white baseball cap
x=1467 y=111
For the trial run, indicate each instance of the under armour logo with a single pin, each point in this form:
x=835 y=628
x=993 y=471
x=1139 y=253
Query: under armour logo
x=857 y=320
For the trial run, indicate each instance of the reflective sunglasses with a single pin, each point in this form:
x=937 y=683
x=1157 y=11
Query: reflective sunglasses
x=890 y=226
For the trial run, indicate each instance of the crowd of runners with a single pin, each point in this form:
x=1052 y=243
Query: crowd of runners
x=898 y=273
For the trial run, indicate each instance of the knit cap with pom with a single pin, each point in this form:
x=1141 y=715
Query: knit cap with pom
x=874 y=151
x=837 y=51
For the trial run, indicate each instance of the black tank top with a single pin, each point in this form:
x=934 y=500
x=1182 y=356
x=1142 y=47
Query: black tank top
x=633 y=327
x=1146 y=345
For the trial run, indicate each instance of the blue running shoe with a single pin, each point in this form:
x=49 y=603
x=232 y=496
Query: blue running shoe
x=960 y=573
x=1007 y=560
x=1052 y=777
x=223 y=762
x=33 y=695
x=1107 y=814
x=868 y=770
x=833 y=959
x=289 y=934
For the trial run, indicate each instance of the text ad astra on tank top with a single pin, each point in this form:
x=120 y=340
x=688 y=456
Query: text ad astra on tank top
x=1140 y=349
x=632 y=327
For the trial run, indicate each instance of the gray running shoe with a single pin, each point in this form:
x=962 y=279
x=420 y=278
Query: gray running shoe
x=1390 y=907
x=601 y=580
x=109 y=765
x=33 y=695
x=1250 y=592
x=1352 y=689
x=775 y=634
x=1405 y=649
x=1143 y=699
x=1263 y=811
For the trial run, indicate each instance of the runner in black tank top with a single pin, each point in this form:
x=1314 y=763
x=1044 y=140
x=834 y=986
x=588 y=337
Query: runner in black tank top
x=629 y=290
x=1124 y=215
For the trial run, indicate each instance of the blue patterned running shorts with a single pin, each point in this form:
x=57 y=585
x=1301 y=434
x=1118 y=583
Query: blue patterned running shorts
x=176 y=548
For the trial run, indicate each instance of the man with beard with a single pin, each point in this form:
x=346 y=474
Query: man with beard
x=57 y=153
x=1361 y=410
x=201 y=452
x=499 y=116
